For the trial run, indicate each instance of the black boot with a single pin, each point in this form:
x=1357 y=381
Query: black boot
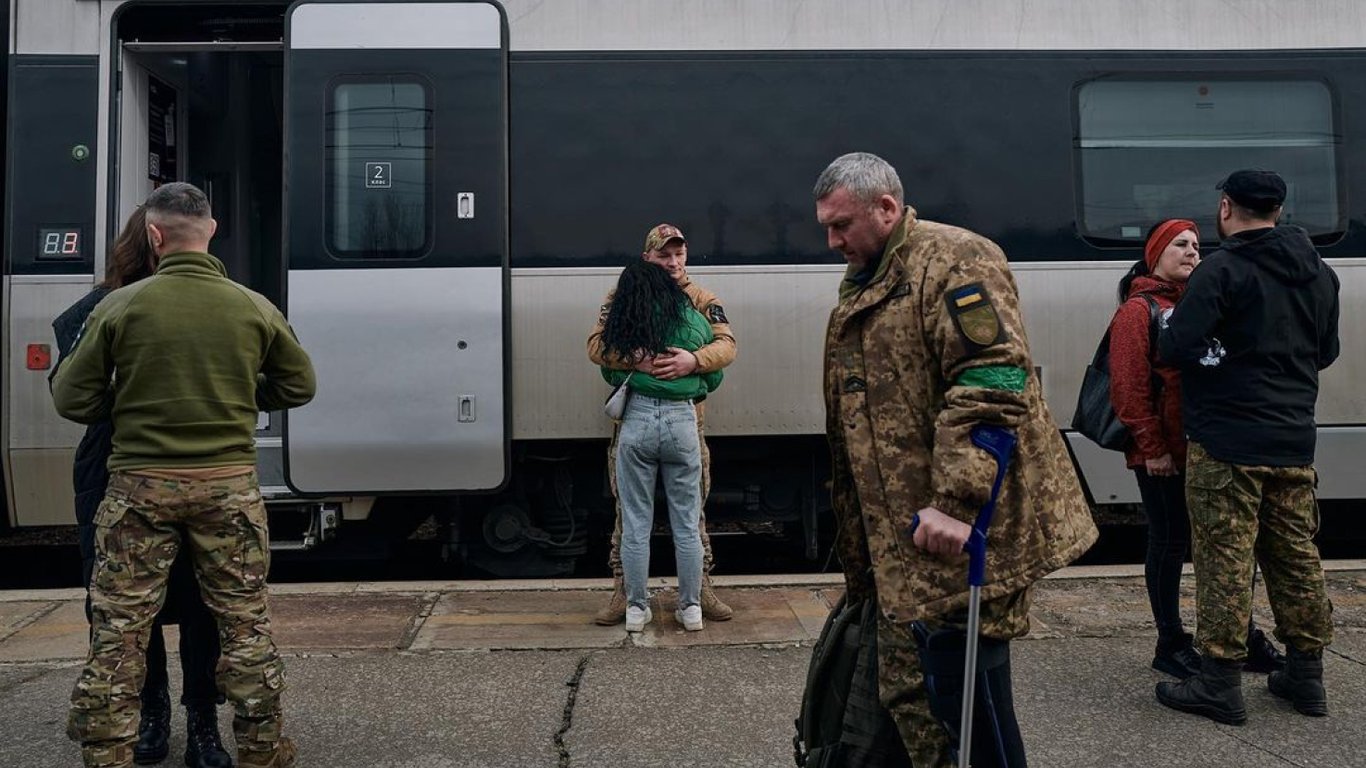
x=203 y=746
x=1262 y=655
x=1216 y=693
x=1176 y=656
x=154 y=729
x=1302 y=683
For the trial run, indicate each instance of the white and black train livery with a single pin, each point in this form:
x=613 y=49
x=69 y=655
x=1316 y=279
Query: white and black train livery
x=438 y=194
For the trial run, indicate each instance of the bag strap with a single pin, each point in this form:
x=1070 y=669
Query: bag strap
x=1102 y=350
x=1102 y=354
x=1153 y=311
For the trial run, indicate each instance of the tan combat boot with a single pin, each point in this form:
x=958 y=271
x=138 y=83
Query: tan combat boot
x=615 y=611
x=712 y=607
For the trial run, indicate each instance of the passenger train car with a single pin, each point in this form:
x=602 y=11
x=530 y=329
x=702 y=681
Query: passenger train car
x=439 y=194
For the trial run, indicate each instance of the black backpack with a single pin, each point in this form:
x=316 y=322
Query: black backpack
x=842 y=723
x=1095 y=415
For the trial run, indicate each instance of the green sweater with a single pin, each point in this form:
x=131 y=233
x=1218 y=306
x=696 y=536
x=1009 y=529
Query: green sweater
x=182 y=362
x=691 y=334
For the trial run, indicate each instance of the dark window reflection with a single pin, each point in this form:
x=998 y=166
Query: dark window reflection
x=379 y=150
x=1153 y=150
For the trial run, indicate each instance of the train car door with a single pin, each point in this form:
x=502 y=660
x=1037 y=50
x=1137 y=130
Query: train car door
x=396 y=244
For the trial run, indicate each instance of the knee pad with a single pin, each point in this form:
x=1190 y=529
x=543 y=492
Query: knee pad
x=996 y=741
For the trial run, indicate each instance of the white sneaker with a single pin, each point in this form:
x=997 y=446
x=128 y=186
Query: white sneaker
x=690 y=617
x=637 y=618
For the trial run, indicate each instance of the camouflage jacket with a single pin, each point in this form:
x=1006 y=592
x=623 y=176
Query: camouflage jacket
x=931 y=345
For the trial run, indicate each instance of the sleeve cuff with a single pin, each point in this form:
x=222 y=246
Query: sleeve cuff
x=955 y=508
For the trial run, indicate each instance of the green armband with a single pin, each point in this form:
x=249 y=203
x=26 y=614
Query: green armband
x=1005 y=377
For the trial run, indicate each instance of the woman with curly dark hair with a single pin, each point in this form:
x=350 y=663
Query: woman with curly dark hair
x=650 y=315
x=131 y=259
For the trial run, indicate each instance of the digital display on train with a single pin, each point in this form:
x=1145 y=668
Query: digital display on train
x=59 y=244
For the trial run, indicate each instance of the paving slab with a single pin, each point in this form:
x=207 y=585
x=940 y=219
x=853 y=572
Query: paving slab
x=16 y=614
x=698 y=707
x=62 y=633
x=761 y=616
x=34 y=734
x=493 y=620
x=1090 y=702
x=389 y=711
x=455 y=710
x=345 y=622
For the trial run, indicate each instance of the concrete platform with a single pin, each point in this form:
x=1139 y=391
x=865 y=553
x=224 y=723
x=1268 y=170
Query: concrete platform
x=445 y=676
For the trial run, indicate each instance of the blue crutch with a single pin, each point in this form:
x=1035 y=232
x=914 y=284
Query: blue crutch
x=1000 y=443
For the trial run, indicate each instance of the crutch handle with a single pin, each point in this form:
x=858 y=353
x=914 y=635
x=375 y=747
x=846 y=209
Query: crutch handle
x=1000 y=443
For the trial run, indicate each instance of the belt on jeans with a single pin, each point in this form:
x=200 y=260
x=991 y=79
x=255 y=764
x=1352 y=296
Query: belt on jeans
x=690 y=401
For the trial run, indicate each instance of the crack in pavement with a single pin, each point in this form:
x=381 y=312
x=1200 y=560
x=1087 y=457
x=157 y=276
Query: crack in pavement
x=567 y=719
x=1234 y=735
x=1342 y=655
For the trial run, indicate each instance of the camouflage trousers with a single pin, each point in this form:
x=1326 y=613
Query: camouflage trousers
x=614 y=557
x=1267 y=515
x=139 y=528
x=901 y=683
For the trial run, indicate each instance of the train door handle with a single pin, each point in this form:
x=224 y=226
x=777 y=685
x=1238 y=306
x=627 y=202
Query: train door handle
x=465 y=408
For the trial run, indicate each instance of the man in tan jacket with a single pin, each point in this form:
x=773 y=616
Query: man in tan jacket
x=926 y=342
x=666 y=246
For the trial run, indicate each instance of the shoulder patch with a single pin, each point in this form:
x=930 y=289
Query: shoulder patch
x=974 y=316
x=717 y=315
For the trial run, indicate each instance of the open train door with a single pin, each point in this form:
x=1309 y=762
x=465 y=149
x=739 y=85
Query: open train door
x=396 y=244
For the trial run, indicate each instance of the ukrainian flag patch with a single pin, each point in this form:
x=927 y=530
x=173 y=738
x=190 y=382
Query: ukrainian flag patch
x=974 y=316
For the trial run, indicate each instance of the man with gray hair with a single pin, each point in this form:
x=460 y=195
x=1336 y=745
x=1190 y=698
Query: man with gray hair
x=926 y=342
x=182 y=362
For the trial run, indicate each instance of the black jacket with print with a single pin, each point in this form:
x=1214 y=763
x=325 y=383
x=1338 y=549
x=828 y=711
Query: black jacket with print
x=1259 y=320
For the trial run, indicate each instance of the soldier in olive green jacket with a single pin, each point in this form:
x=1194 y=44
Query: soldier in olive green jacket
x=926 y=342
x=181 y=361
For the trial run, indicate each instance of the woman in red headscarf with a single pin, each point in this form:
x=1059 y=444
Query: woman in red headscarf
x=1147 y=398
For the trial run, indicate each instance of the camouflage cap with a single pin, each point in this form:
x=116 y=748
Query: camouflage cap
x=660 y=236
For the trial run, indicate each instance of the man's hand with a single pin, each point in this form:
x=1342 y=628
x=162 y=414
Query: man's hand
x=1162 y=466
x=940 y=534
x=673 y=364
x=646 y=365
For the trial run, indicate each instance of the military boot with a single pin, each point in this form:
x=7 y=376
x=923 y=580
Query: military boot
x=615 y=611
x=712 y=607
x=1262 y=655
x=1216 y=693
x=154 y=729
x=1301 y=683
x=282 y=756
x=203 y=745
x=1176 y=655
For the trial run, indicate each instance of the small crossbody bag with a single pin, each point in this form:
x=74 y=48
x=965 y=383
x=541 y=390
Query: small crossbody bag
x=615 y=407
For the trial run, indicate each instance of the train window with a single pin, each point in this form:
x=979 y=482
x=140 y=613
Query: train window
x=378 y=161
x=1151 y=149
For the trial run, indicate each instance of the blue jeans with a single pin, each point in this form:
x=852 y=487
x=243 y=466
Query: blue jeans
x=658 y=438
